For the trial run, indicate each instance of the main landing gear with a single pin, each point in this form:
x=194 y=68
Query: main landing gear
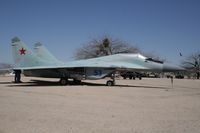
x=65 y=81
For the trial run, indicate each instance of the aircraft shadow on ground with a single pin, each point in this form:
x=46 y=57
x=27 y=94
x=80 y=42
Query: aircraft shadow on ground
x=54 y=83
x=5 y=83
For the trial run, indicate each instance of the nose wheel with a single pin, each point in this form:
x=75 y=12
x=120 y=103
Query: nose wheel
x=111 y=82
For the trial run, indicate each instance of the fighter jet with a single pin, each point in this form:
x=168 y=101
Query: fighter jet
x=43 y=64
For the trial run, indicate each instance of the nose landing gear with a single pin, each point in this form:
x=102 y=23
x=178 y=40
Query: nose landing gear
x=111 y=82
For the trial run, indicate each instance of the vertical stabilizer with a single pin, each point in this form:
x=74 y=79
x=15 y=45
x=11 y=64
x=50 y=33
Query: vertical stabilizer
x=23 y=56
x=42 y=52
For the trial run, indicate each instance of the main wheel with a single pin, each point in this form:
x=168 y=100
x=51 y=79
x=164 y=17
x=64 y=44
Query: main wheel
x=63 y=81
x=109 y=83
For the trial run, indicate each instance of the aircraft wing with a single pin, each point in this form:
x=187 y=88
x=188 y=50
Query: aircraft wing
x=86 y=64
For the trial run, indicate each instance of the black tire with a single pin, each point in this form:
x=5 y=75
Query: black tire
x=109 y=83
x=130 y=77
x=140 y=78
x=63 y=81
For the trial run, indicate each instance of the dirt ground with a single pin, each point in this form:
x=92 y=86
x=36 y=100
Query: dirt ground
x=132 y=106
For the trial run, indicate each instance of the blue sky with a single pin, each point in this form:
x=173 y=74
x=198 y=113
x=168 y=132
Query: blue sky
x=162 y=27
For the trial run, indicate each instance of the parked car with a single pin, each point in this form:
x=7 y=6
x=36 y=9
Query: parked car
x=153 y=75
x=179 y=76
x=131 y=75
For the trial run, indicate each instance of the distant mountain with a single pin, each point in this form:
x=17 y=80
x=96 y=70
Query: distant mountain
x=5 y=68
x=5 y=65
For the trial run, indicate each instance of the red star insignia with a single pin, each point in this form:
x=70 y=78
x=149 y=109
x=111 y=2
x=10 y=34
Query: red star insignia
x=22 y=51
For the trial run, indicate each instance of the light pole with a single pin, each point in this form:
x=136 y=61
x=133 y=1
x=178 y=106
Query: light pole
x=198 y=69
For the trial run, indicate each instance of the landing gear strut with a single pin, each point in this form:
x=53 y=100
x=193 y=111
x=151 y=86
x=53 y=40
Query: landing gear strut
x=111 y=82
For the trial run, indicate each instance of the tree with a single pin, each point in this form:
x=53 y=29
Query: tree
x=192 y=62
x=104 y=46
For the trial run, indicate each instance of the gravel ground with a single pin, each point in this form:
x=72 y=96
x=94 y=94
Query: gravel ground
x=132 y=106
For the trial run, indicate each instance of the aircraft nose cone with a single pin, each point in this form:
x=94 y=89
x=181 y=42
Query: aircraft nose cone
x=172 y=68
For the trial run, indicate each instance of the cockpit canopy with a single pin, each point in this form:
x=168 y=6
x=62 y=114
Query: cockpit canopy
x=153 y=60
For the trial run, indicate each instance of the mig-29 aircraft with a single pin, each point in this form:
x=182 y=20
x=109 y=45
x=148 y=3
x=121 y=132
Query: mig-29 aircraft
x=43 y=64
